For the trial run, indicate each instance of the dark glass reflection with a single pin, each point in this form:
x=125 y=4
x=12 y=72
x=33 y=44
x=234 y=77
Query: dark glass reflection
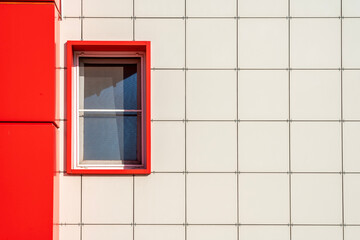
x=110 y=86
x=110 y=136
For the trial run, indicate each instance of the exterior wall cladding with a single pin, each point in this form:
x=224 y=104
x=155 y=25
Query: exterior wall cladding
x=255 y=122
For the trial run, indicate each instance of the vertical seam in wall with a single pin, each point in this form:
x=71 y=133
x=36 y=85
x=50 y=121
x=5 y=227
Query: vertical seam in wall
x=81 y=20
x=133 y=20
x=237 y=123
x=81 y=207
x=289 y=117
x=185 y=122
x=133 y=177
x=133 y=207
x=81 y=176
x=342 y=124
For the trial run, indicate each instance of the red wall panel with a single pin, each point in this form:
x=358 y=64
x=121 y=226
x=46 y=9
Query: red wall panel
x=27 y=62
x=29 y=43
x=57 y=2
x=27 y=153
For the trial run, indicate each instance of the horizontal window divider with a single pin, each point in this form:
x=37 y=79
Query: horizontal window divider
x=109 y=110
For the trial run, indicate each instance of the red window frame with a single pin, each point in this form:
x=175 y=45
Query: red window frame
x=113 y=47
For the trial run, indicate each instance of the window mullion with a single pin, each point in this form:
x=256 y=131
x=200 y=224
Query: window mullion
x=111 y=110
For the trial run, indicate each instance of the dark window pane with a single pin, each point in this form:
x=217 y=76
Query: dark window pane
x=110 y=86
x=111 y=136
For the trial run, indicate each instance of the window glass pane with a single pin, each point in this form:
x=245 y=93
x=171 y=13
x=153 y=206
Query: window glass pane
x=109 y=86
x=111 y=136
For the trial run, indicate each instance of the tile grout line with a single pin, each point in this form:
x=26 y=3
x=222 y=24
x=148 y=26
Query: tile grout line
x=81 y=176
x=247 y=69
x=210 y=17
x=251 y=69
x=237 y=126
x=81 y=207
x=81 y=20
x=289 y=117
x=213 y=224
x=342 y=123
x=133 y=207
x=133 y=20
x=249 y=172
x=251 y=120
x=185 y=126
x=133 y=176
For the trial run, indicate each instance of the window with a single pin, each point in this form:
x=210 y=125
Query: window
x=108 y=108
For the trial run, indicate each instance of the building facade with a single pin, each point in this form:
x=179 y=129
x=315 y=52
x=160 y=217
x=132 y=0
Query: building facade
x=255 y=122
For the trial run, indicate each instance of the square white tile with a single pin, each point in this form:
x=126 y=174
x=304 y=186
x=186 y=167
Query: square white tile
x=211 y=146
x=264 y=198
x=351 y=47
x=211 y=43
x=168 y=146
x=263 y=8
x=316 y=198
x=108 y=29
x=316 y=232
x=211 y=95
x=211 y=8
x=212 y=232
x=167 y=38
x=211 y=198
x=160 y=198
x=108 y=232
x=158 y=232
x=107 y=199
x=168 y=95
x=315 y=43
x=318 y=8
x=351 y=8
x=315 y=146
x=263 y=95
x=351 y=138
x=69 y=232
x=69 y=199
x=315 y=95
x=70 y=29
x=263 y=146
x=264 y=232
x=159 y=8
x=351 y=95
x=71 y=8
x=352 y=232
x=263 y=43
x=352 y=198
x=108 y=8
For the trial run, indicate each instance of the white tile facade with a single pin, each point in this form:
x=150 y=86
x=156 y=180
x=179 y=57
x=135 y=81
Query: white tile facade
x=264 y=198
x=315 y=43
x=263 y=43
x=210 y=43
x=310 y=232
x=318 y=8
x=253 y=232
x=263 y=95
x=255 y=122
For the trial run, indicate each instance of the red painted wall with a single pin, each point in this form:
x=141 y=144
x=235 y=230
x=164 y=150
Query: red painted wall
x=27 y=62
x=27 y=153
x=28 y=120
